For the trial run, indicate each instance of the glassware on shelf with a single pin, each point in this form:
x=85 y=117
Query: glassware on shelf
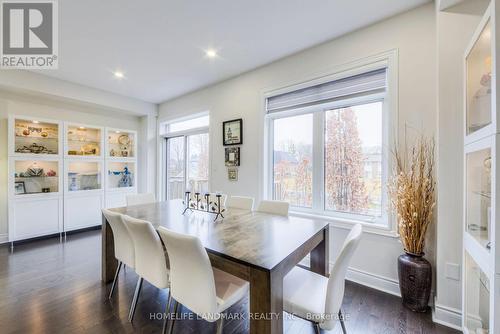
x=84 y=176
x=84 y=141
x=477 y=297
x=121 y=144
x=33 y=177
x=478 y=196
x=121 y=175
x=34 y=137
x=478 y=90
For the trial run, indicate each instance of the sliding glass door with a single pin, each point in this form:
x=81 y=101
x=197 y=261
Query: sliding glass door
x=187 y=164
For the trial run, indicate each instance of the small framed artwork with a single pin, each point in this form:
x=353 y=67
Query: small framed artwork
x=232 y=156
x=232 y=174
x=232 y=132
x=19 y=188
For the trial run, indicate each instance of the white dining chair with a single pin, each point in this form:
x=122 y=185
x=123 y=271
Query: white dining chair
x=123 y=245
x=240 y=202
x=316 y=298
x=274 y=207
x=150 y=259
x=138 y=199
x=206 y=291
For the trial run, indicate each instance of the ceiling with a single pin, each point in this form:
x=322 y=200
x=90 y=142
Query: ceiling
x=160 y=45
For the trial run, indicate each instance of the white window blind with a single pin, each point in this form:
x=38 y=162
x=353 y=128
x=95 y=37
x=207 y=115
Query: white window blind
x=367 y=83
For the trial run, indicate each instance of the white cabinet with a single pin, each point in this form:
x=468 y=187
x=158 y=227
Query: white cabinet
x=83 y=210
x=481 y=226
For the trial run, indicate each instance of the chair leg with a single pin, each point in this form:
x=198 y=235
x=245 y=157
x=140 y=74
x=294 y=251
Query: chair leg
x=116 y=278
x=317 y=329
x=341 y=318
x=176 y=306
x=220 y=324
x=136 y=298
x=167 y=313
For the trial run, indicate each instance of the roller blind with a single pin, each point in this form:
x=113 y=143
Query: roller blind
x=361 y=84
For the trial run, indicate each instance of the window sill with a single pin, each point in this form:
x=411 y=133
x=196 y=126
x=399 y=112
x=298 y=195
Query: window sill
x=347 y=224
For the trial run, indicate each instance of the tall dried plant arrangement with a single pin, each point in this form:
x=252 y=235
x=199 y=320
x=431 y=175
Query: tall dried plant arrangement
x=412 y=193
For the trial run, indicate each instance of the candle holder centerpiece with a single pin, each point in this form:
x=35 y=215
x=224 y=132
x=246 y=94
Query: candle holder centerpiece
x=204 y=203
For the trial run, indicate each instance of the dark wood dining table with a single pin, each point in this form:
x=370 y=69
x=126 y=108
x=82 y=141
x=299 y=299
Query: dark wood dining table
x=258 y=247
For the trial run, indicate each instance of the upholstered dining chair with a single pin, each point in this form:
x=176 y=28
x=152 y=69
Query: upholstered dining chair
x=150 y=259
x=316 y=298
x=274 y=207
x=206 y=291
x=124 y=247
x=138 y=199
x=240 y=202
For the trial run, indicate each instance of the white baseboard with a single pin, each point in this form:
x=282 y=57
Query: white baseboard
x=4 y=238
x=373 y=281
x=447 y=316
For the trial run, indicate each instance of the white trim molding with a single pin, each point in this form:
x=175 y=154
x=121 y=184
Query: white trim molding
x=447 y=316
x=373 y=281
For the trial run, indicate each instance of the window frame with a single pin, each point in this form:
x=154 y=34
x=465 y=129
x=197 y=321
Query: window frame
x=383 y=225
x=165 y=135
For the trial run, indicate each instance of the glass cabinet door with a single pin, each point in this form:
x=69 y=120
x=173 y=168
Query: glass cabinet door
x=36 y=137
x=121 y=175
x=478 y=195
x=84 y=176
x=121 y=144
x=35 y=176
x=478 y=64
x=477 y=297
x=83 y=141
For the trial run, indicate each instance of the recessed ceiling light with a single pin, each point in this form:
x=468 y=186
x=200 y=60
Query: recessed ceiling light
x=36 y=122
x=119 y=74
x=211 y=53
x=117 y=131
x=81 y=128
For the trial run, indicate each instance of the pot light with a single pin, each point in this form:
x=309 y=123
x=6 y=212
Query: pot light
x=117 y=131
x=119 y=74
x=211 y=53
x=35 y=122
x=81 y=128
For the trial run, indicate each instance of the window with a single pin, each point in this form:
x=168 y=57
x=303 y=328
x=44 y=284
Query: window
x=328 y=145
x=187 y=157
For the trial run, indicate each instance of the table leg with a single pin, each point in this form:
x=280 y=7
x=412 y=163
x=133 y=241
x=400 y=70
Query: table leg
x=109 y=263
x=266 y=302
x=321 y=254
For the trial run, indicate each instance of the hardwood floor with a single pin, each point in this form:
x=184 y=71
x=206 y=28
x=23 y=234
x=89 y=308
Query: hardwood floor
x=52 y=287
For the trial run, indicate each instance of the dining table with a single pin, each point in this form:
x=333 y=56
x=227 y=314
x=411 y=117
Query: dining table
x=258 y=247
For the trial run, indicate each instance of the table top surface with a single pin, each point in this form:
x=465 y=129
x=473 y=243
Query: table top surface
x=255 y=238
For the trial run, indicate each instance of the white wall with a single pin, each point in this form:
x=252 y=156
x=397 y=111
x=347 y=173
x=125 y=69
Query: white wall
x=412 y=33
x=455 y=27
x=47 y=108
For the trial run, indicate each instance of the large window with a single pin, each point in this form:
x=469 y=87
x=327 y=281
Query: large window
x=187 y=162
x=328 y=146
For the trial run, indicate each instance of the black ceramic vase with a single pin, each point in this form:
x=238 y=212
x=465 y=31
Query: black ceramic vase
x=415 y=279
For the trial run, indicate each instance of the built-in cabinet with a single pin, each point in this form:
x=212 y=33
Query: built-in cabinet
x=481 y=257
x=61 y=174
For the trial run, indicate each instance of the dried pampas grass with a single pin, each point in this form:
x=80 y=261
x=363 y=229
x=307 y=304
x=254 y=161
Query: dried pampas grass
x=412 y=193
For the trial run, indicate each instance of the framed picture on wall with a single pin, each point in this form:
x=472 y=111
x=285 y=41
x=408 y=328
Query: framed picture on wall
x=232 y=156
x=232 y=132
x=232 y=174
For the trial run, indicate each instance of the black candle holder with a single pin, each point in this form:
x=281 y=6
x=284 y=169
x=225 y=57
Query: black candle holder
x=203 y=204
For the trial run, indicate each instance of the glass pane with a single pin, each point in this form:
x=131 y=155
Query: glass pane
x=477 y=297
x=197 y=163
x=479 y=82
x=34 y=137
x=121 y=174
x=353 y=159
x=478 y=196
x=84 y=176
x=121 y=144
x=189 y=124
x=292 y=169
x=33 y=177
x=84 y=141
x=175 y=167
